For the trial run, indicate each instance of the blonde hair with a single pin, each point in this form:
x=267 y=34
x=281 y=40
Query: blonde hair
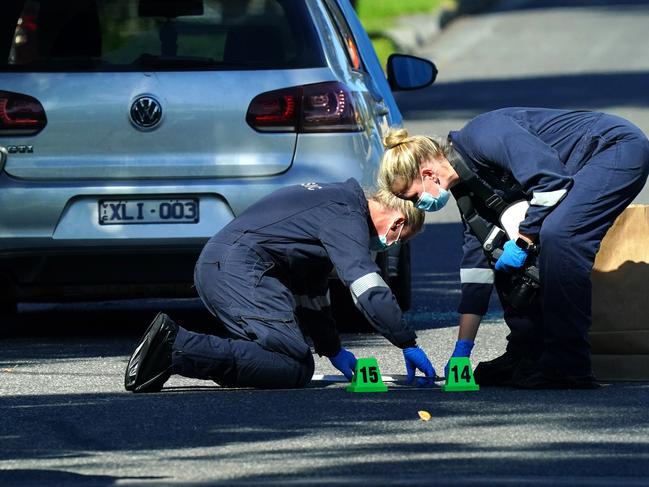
x=403 y=156
x=414 y=217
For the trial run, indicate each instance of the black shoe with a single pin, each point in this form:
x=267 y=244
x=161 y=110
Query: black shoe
x=525 y=367
x=149 y=366
x=544 y=380
x=497 y=372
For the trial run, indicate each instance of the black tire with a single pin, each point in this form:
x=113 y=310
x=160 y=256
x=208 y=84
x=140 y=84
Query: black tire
x=401 y=283
x=348 y=318
x=8 y=308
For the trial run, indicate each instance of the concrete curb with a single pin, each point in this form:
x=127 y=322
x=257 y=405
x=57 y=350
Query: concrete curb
x=414 y=31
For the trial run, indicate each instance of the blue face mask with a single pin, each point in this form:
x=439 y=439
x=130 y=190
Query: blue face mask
x=380 y=242
x=428 y=202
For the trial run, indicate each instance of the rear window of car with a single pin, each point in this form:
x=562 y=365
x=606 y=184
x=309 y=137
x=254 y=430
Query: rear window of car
x=157 y=35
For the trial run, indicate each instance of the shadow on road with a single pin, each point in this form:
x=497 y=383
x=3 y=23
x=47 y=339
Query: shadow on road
x=20 y=477
x=127 y=318
x=466 y=99
x=613 y=5
x=202 y=424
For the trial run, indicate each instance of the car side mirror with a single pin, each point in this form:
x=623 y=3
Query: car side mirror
x=407 y=72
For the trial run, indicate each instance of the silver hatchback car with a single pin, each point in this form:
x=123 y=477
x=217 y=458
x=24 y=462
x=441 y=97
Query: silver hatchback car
x=133 y=130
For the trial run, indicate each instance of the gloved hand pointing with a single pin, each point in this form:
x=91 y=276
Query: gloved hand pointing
x=416 y=359
x=345 y=362
x=512 y=257
x=462 y=349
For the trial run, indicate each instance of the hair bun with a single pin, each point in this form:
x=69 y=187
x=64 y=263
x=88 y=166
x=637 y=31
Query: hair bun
x=394 y=137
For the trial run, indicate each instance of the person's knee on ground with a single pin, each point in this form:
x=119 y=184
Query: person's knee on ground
x=167 y=349
x=238 y=363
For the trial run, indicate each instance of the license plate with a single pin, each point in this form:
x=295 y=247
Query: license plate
x=130 y=212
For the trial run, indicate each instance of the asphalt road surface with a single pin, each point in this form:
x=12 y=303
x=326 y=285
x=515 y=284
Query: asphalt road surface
x=66 y=420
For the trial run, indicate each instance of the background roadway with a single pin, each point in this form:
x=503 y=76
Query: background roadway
x=570 y=54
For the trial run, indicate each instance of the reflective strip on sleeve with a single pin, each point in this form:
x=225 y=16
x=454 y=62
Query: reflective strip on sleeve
x=315 y=303
x=365 y=283
x=476 y=276
x=550 y=198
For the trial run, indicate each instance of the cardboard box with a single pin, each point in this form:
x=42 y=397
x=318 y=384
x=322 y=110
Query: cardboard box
x=620 y=330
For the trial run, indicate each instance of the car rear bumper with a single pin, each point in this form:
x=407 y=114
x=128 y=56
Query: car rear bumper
x=75 y=273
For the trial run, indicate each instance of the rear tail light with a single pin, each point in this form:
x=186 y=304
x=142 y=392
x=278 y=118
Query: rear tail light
x=321 y=107
x=20 y=114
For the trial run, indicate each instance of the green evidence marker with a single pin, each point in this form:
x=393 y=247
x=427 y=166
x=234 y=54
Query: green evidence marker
x=460 y=376
x=367 y=377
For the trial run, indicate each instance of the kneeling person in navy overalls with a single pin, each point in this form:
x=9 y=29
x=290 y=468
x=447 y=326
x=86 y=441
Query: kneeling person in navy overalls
x=265 y=278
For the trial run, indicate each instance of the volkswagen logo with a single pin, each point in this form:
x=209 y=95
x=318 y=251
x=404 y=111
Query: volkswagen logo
x=146 y=112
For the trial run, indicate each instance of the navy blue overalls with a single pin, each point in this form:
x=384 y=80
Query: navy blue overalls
x=265 y=277
x=578 y=170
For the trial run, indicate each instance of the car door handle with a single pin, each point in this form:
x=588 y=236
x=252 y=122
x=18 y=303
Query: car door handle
x=380 y=108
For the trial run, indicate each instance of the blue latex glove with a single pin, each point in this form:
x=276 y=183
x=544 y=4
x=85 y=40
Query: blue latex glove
x=416 y=359
x=462 y=349
x=512 y=257
x=345 y=362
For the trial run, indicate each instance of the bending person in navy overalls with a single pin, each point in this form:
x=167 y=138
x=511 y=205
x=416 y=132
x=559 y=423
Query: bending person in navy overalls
x=265 y=277
x=578 y=170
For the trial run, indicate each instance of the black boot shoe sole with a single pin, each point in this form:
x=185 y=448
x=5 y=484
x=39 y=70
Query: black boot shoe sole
x=156 y=336
x=540 y=381
x=497 y=372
